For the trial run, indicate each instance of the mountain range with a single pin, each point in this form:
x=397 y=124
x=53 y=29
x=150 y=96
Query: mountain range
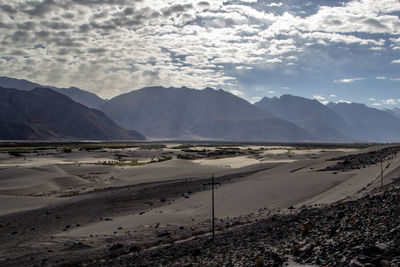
x=368 y=124
x=43 y=114
x=83 y=97
x=183 y=113
x=189 y=114
x=309 y=114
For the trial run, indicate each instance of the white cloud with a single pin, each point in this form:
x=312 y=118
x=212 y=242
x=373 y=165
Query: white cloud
x=274 y=4
x=271 y=92
x=377 y=104
x=344 y=101
x=237 y=93
x=332 y=95
x=243 y=67
x=376 y=48
x=255 y=99
x=397 y=61
x=274 y=60
x=191 y=43
x=371 y=99
x=386 y=78
x=390 y=102
x=325 y=102
x=318 y=97
x=348 y=80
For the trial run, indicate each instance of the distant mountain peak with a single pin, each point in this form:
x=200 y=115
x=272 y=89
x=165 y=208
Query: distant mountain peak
x=369 y=124
x=208 y=113
x=44 y=114
x=308 y=114
x=209 y=89
x=78 y=95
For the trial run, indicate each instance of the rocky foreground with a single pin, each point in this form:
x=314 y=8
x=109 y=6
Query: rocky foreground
x=362 y=232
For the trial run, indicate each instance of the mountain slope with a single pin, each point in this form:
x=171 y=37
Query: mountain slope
x=368 y=124
x=394 y=112
x=45 y=114
x=83 y=97
x=308 y=114
x=193 y=114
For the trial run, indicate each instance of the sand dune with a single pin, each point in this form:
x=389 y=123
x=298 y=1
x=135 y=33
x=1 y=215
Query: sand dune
x=20 y=181
x=290 y=178
x=12 y=204
x=295 y=183
x=238 y=162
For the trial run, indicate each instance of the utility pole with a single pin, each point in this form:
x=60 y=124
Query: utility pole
x=212 y=204
x=213 y=211
x=381 y=173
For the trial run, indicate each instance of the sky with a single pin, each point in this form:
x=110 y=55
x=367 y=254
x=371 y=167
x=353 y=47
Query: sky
x=327 y=50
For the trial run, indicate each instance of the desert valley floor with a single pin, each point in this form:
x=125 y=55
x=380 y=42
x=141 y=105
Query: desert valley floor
x=94 y=203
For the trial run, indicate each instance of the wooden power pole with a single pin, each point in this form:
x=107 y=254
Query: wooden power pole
x=213 y=183
x=213 y=211
x=381 y=172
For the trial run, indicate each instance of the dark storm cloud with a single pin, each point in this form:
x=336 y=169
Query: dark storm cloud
x=128 y=21
x=8 y=9
x=203 y=4
x=153 y=74
x=331 y=20
x=375 y=23
x=65 y=42
x=28 y=25
x=177 y=9
x=98 y=2
x=68 y=15
x=5 y=25
x=61 y=60
x=100 y=15
x=97 y=50
x=155 y=15
x=63 y=52
x=42 y=34
x=17 y=52
x=84 y=28
x=105 y=26
x=121 y=19
x=20 y=36
x=38 y=8
x=129 y=11
x=56 y=25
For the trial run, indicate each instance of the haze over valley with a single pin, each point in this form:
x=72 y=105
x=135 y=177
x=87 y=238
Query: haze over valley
x=188 y=114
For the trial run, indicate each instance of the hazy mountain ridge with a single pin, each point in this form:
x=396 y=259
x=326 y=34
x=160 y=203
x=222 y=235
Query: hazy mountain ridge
x=394 y=111
x=184 y=113
x=215 y=114
x=86 y=98
x=368 y=124
x=308 y=114
x=42 y=114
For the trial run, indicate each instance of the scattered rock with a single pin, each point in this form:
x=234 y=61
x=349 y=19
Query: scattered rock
x=116 y=246
x=306 y=227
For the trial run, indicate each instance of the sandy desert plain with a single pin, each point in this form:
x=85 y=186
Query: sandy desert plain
x=80 y=203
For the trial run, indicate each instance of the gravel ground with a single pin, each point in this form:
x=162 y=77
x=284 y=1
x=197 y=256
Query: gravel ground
x=363 y=232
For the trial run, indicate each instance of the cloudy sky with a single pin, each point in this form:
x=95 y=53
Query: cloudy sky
x=328 y=50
